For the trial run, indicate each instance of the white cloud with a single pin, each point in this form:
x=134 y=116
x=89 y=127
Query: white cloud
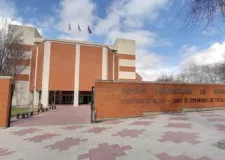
x=8 y=14
x=146 y=60
x=210 y=31
x=142 y=37
x=147 y=64
x=76 y=12
x=128 y=19
x=104 y=25
x=211 y=55
x=129 y=14
x=150 y=65
x=139 y=8
x=187 y=50
x=7 y=9
x=163 y=42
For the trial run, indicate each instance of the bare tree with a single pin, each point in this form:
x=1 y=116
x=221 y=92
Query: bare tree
x=206 y=11
x=165 y=78
x=201 y=74
x=13 y=54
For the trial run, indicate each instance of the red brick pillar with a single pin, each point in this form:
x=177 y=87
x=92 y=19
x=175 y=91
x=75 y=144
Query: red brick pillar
x=5 y=97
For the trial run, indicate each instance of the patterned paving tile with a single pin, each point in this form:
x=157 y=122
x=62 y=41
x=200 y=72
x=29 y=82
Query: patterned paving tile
x=220 y=127
x=211 y=115
x=206 y=112
x=113 y=122
x=65 y=144
x=165 y=156
x=41 y=137
x=105 y=152
x=179 y=125
x=216 y=119
x=178 y=118
x=96 y=130
x=5 y=152
x=142 y=123
x=129 y=133
x=72 y=127
x=179 y=137
x=25 y=131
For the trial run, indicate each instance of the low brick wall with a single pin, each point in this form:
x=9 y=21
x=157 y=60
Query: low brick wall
x=5 y=95
x=121 y=99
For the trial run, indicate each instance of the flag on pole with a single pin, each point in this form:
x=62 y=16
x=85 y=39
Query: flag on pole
x=89 y=30
x=79 y=27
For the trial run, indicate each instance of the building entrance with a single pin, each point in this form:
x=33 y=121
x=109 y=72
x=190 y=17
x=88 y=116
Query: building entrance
x=84 y=99
x=67 y=97
x=61 y=97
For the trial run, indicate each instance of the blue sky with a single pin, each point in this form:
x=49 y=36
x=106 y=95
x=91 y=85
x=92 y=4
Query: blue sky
x=156 y=25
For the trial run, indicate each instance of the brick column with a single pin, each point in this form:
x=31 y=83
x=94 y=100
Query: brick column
x=5 y=97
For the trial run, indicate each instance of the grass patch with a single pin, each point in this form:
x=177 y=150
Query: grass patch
x=16 y=110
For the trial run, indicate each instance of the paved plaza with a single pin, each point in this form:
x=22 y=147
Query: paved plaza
x=183 y=136
x=63 y=114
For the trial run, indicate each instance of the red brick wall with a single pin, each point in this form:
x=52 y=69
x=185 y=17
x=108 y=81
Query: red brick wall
x=90 y=66
x=22 y=77
x=130 y=99
x=62 y=67
x=5 y=91
x=40 y=66
x=110 y=65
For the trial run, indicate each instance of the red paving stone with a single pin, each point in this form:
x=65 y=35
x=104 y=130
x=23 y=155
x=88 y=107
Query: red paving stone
x=179 y=125
x=179 y=137
x=5 y=152
x=220 y=127
x=105 y=152
x=216 y=119
x=165 y=156
x=63 y=115
x=72 y=127
x=65 y=144
x=211 y=115
x=23 y=132
x=129 y=133
x=141 y=123
x=178 y=118
x=96 y=130
x=42 y=137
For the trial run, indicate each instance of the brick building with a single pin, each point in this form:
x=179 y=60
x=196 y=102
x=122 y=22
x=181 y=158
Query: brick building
x=67 y=69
